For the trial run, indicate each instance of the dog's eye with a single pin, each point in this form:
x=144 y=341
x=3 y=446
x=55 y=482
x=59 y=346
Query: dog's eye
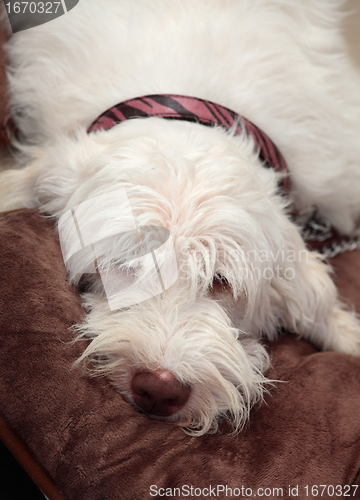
x=219 y=284
x=218 y=278
x=85 y=283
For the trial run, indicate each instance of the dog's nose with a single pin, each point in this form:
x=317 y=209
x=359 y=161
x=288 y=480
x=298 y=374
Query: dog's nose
x=159 y=393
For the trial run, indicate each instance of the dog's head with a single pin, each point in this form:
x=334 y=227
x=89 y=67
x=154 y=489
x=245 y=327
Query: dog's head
x=189 y=353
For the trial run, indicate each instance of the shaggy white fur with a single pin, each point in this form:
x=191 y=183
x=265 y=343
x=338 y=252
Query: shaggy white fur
x=280 y=63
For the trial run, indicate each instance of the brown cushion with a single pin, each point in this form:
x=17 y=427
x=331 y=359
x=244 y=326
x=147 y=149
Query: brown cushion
x=94 y=445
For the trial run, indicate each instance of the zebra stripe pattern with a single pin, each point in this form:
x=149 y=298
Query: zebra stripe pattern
x=192 y=109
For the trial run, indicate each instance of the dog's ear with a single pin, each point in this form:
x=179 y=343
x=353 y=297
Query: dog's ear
x=312 y=307
x=52 y=175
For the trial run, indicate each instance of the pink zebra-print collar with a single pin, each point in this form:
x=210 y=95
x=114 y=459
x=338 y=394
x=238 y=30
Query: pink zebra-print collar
x=192 y=109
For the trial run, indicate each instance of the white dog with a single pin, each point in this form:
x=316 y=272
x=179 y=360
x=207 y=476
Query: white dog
x=193 y=353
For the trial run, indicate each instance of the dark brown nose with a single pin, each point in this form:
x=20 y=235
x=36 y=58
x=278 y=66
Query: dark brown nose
x=159 y=393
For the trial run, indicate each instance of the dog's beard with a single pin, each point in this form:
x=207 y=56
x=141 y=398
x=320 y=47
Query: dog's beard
x=194 y=340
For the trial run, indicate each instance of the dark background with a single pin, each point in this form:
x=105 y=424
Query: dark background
x=14 y=482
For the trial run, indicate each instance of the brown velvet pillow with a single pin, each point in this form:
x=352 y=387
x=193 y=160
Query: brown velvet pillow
x=94 y=445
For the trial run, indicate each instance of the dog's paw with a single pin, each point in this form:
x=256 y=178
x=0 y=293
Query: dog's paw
x=343 y=332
